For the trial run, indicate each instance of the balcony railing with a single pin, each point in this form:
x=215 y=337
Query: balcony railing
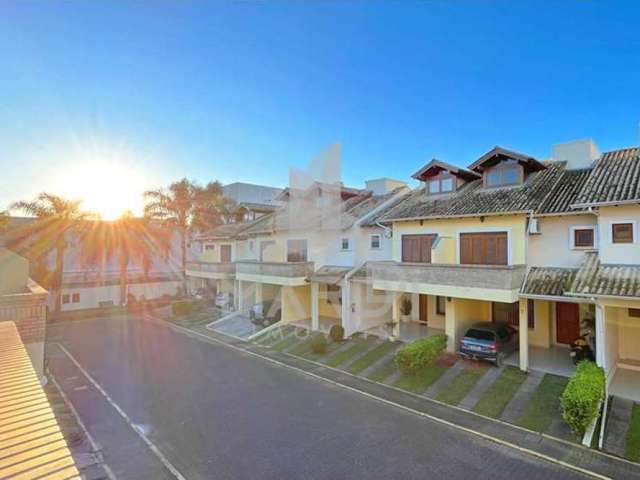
x=212 y=267
x=275 y=269
x=500 y=277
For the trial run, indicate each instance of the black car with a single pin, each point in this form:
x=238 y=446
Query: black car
x=489 y=341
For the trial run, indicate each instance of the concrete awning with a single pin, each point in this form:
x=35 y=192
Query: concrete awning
x=330 y=275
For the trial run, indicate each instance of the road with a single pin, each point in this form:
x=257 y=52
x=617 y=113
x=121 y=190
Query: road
x=216 y=413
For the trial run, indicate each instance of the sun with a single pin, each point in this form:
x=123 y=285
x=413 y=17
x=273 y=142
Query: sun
x=106 y=188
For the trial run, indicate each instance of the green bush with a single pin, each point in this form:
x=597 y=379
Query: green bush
x=419 y=353
x=336 y=333
x=582 y=396
x=319 y=345
x=186 y=307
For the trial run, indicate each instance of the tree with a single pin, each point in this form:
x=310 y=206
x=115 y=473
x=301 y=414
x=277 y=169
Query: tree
x=127 y=239
x=4 y=220
x=56 y=217
x=187 y=207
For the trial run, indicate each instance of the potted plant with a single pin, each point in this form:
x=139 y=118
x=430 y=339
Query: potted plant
x=405 y=309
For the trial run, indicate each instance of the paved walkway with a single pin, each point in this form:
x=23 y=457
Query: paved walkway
x=380 y=362
x=433 y=389
x=617 y=425
x=237 y=325
x=480 y=388
x=518 y=403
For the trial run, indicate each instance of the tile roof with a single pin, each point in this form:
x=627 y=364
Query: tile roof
x=224 y=231
x=440 y=165
x=548 y=281
x=615 y=178
x=563 y=193
x=473 y=199
x=597 y=279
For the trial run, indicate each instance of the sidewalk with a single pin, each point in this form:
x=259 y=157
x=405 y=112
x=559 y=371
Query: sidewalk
x=588 y=461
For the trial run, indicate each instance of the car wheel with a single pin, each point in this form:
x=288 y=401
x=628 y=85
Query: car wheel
x=500 y=360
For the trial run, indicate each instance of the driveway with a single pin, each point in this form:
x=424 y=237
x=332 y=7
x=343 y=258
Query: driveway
x=214 y=412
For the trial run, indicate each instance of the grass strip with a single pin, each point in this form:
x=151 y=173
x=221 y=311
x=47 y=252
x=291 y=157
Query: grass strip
x=359 y=345
x=420 y=381
x=632 y=448
x=273 y=336
x=371 y=357
x=461 y=385
x=287 y=342
x=384 y=372
x=331 y=347
x=305 y=346
x=544 y=404
x=500 y=393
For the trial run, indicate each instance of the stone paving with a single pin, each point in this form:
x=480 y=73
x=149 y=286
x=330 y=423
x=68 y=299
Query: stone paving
x=444 y=380
x=480 y=388
x=518 y=403
x=617 y=425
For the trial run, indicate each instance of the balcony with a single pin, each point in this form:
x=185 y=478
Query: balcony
x=215 y=270
x=499 y=283
x=279 y=273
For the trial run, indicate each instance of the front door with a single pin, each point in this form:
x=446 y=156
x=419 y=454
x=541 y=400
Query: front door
x=567 y=322
x=424 y=308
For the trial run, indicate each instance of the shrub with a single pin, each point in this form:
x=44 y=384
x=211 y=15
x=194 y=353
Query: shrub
x=581 y=398
x=419 y=353
x=336 y=333
x=319 y=344
x=406 y=306
x=185 y=307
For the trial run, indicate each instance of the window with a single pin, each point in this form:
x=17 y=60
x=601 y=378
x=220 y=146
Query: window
x=583 y=237
x=503 y=174
x=75 y=298
x=440 y=305
x=440 y=184
x=66 y=298
x=209 y=247
x=344 y=244
x=225 y=253
x=263 y=247
x=251 y=245
x=417 y=248
x=634 y=312
x=296 y=250
x=531 y=314
x=375 y=242
x=622 y=232
x=484 y=248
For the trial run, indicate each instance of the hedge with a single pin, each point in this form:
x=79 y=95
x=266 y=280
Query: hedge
x=582 y=396
x=418 y=354
x=185 y=307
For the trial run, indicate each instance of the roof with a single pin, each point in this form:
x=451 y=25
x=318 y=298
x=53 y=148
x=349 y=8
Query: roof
x=596 y=279
x=472 y=199
x=614 y=178
x=262 y=207
x=47 y=454
x=361 y=209
x=548 y=281
x=329 y=274
x=564 y=193
x=521 y=158
x=227 y=230
x=438 y=164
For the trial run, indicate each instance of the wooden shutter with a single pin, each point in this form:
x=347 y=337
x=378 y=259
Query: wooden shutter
x=225 y=253
x=417 y=248
x=483 y=248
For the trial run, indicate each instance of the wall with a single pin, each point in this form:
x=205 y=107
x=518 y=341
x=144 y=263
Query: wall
x=446 y=251
x=326 y=309
x=214 y=255
x=460 y=315
x=90 y=297
x=629 y=335
x=14 y=272
x=553 y=246
x=628 y=254
x=370 y=308
x=296 y=303
x=612 y=339
x=540 y=335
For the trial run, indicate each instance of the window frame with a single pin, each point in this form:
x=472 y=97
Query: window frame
x=65 y=299
x=634 y=233
x=371 y=241
x=440 y=298
x=306 y=250
x=572 y=237
x=208 y=247
x=438 y=179
x=633 y=312
x=500 y=170
x=75 y=297
x=460 y=233
x=342 y=244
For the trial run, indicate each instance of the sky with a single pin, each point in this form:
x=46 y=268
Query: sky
x=103 y=100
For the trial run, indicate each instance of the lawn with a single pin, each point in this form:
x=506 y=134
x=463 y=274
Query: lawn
x=419 y=382
x=632 y=449
x=461 y=385
x=272 y=336
x=305 y=345
x=384 y=372
x=287 y=342
x=371 y=357
x=331 y=347
x=359 y=345
x=544 y=404
x=500 y=393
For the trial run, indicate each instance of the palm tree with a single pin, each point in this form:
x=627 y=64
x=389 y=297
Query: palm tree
x=128 y=239
x=56 y=217
x=186 y=206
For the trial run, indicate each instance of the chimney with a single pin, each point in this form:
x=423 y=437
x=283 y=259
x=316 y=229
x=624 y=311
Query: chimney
x=381 y=186
x=578 y=154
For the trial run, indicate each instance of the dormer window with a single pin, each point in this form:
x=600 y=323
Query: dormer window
x=440 y=184
x=504 y=174
x=502 y=168
x=440 y=177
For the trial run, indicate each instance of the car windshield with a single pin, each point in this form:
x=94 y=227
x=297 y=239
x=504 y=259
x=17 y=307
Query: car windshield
x=480 y=334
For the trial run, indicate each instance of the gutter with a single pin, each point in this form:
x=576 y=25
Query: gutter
x=606 y=204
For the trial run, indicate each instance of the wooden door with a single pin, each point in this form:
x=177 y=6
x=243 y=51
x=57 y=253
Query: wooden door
x=424 y=308
x=483 y=248
x=225 y=253
x=417 y=248
x=567 y=322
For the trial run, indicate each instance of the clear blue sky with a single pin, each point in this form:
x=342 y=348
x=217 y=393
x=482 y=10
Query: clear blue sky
x=242 y=90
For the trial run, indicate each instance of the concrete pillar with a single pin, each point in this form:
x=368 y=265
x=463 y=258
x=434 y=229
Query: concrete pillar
x=395 y=313
x=241 y=287
x=415 y=307
x=315 y=299
x=258 y=287
x=236 y=294
x=600 y=340
x=523 y=333
x=450 y=323
x=346 y=306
